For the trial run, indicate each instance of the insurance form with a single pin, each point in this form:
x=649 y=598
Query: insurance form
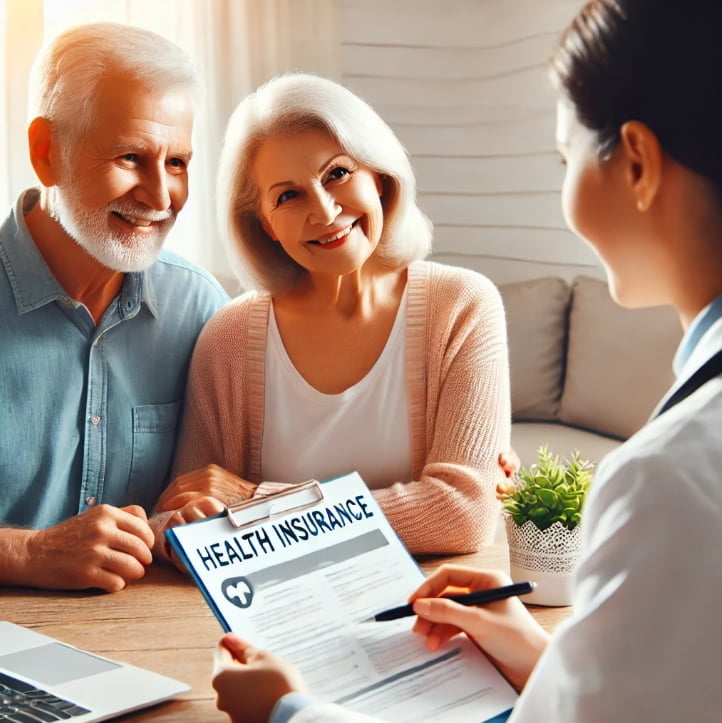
x=303 y=583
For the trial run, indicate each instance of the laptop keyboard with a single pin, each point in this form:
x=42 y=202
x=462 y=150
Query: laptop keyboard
x=21 y=702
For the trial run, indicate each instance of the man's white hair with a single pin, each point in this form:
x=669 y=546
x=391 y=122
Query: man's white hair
x=69 y=69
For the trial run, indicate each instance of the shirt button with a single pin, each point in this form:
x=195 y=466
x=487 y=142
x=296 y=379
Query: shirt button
x=90 y=501
x=95 y=419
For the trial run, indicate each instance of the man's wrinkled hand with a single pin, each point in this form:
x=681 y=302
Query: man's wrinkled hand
x=105 y=547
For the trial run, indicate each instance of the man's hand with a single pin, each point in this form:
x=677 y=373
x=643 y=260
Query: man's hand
x=209 y=481
x=249 y=682
x=105 y=547
x=504 y=630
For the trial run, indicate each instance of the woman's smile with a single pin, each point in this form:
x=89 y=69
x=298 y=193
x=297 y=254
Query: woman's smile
x=334 y=240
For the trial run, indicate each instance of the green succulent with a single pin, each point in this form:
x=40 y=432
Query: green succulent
x=552 y=490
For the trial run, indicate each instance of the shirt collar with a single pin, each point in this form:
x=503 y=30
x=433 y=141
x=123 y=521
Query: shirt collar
x=137 y=288
x=697 y=329
x=32 y=281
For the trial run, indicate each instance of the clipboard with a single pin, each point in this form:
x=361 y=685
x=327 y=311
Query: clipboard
x=243 y=515
x=301 y=572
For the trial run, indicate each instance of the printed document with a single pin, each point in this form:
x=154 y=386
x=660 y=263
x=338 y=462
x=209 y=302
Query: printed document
x=303 y=583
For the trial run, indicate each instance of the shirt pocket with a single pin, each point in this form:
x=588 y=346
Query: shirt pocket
x=154 y=435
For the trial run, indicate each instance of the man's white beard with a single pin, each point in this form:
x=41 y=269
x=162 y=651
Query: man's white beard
x=90 y=230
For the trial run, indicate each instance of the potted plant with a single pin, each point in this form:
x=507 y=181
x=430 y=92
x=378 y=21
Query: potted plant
x=543 y=513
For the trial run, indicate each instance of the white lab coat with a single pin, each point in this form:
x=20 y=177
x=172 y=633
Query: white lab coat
x=645 y=640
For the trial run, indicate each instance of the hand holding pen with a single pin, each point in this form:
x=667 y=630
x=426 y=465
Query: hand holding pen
x=505 y=631
x=480 y=597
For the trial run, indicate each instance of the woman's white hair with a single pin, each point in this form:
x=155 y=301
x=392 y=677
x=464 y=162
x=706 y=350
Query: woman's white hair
x=68 y=71
x=281 y=107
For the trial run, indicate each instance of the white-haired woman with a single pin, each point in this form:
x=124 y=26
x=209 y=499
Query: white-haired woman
x=350 y=353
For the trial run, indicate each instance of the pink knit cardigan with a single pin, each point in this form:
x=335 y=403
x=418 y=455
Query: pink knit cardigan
x=459 y=405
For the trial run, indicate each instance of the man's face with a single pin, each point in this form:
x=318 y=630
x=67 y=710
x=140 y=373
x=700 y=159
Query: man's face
x=122 y=184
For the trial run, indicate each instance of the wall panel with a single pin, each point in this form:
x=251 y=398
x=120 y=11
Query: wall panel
x=463 y=83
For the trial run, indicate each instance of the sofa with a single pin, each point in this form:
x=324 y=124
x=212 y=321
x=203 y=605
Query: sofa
x=585 y=373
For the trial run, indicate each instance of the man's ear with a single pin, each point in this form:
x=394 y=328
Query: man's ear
x=644 y=157
x=40 y=143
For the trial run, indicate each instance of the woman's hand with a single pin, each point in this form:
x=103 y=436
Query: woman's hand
x=202 y=493
x=509 y=462
x=209 y=481
x=249 y=682
x=504 y=630
x=197 y=508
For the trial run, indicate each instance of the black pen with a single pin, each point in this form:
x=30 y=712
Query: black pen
x=480 y=597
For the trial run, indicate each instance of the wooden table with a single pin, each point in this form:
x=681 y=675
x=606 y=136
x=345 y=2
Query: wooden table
x=163 y=623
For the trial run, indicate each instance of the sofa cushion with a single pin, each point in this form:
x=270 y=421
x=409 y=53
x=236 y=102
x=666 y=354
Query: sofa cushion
x=619 y=361
x=536 y=313
x=527 y=437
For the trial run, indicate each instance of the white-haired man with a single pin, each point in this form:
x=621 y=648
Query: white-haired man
x=97 y=324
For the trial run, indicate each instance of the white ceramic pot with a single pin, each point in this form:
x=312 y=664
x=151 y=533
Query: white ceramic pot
x=546 y=557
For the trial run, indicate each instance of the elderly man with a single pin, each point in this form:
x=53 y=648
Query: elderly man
x=97 y=323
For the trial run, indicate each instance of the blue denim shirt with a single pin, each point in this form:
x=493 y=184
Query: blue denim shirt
x=88 y=414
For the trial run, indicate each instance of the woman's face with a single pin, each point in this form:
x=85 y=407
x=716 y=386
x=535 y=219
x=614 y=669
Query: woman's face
x=597 y=205
x=321 y=205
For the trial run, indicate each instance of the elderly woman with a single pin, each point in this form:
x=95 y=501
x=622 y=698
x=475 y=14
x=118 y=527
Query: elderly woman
x=350 y=353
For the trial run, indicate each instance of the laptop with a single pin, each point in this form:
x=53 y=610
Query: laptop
x=42 y=679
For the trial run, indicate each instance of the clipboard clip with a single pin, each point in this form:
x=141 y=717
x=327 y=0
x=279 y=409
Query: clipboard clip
x=259 y=509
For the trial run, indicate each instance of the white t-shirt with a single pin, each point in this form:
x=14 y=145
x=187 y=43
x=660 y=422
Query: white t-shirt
x=308 y=434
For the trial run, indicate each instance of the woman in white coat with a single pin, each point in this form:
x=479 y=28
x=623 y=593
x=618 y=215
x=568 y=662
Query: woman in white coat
x=640 y=130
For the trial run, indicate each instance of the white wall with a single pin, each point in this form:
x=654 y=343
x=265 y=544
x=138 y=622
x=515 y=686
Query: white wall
x=463 y=84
